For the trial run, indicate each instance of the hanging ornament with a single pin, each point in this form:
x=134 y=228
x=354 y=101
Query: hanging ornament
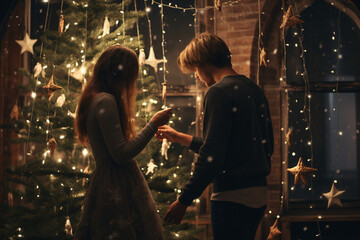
x=142 y=57
x=106 y=26
x=14 y=113
x=290 y=21
x=164 y=91
x=152 y=61
x=67 y=27
x=51 y=88
x=289 y=137
x=73 y=115
x=61 y=25
x=151 y=166
x=274 y=233
x=301 y=171
x=217 y=4
x=87 y=171
x=52 y=144
x=333 y=196
x=60 y=101
x=164 y=148
x=68 y=228
x=10 y=199
x=262 y=58
x=27 y=44
x=37 y=69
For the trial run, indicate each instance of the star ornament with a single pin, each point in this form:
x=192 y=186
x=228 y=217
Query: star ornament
x=274 y=231
x=263 y=57
x=301 y=171
x=27 y=44
x=51 y=88
x=152 y=61
x=333 y=196
x=290 y=21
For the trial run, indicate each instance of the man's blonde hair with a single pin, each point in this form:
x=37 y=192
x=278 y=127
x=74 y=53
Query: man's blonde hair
x=204 y=49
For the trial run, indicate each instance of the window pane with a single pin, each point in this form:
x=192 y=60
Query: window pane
x=335 y=140
x=331 y=40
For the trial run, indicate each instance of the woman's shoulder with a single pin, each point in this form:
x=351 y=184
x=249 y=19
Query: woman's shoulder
x=104 y=97
x=103 y=101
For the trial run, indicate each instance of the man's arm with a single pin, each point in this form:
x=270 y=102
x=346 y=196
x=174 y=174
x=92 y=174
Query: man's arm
x=217 y=129
x=194 y=143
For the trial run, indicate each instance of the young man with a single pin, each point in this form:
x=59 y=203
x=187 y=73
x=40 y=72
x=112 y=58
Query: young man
x=236 y=147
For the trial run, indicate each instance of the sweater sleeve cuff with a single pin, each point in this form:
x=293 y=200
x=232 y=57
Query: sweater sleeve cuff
x=186 y=200
x=195 y=144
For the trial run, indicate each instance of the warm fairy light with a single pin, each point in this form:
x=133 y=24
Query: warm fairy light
x=340 y=133
x=85 y=152
x=197 y=200
x=335 y=181
x=73 y=168
x=33 y=95
x=83 y=70
x=148 y=9
x=62 y=136
x=59 y=160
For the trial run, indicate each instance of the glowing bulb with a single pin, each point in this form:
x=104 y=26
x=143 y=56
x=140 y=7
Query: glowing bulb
x=33 y=95
x=85 y=152
x=83 y=70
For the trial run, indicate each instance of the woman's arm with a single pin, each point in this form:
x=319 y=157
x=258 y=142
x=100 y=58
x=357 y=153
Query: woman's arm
x=108 y=118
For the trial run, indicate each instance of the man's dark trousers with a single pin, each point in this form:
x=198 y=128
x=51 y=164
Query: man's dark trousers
x=234 y=221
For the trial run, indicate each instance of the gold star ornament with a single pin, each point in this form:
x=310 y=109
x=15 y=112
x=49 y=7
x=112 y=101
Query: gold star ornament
x=51 y=88
x=27 y=44
x=274 y=233
x=301 y=171
x=290 y=21
x=333 y=196
x=263 y=57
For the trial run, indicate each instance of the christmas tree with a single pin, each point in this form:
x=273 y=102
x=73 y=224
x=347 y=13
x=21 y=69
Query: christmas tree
x=46 y=192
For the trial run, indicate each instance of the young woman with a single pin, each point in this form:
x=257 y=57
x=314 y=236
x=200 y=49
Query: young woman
x=118 y=203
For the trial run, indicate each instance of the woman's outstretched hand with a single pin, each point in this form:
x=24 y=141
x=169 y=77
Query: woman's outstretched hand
x=162 y=117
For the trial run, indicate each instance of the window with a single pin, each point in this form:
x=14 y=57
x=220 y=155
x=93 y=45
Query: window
x=324 y=105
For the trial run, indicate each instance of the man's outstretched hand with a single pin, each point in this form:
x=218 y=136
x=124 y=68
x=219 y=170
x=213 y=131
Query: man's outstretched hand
x=175 y=213
x=173 y=136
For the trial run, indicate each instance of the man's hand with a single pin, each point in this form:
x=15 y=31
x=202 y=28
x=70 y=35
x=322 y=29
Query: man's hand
x=167 y=132
x=175 y=213
x=173 y=136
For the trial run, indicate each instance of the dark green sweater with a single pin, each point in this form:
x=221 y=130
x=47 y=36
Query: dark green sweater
x=237 y=143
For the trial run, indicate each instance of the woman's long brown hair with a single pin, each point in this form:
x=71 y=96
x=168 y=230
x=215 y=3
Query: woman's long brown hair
x=115 y=72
